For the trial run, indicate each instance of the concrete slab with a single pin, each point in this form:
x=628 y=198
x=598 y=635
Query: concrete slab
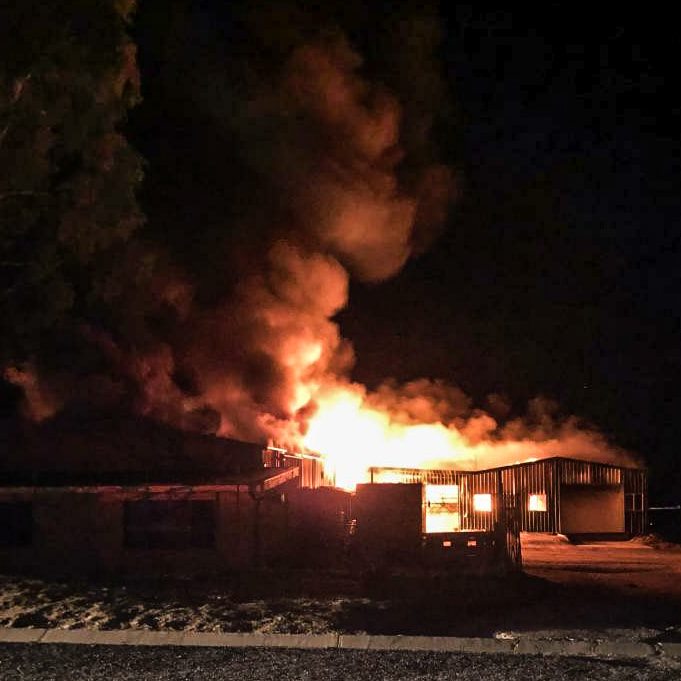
x=354 y=641
x=487 y=645
x=93 y=636
x=227 y=640
x=433 y=643
x=250 y=640
x=530 y=646
x=519 y=645
x=623 y=649
x=160 y=638
x=24 y=635
x=302 y=640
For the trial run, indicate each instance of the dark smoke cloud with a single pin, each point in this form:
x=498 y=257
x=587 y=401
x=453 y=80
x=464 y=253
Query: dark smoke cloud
x=325 y=163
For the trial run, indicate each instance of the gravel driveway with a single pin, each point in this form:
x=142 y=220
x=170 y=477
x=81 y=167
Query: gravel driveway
x=43 y=662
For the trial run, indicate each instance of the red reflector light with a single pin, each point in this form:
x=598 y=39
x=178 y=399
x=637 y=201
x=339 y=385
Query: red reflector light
x=446 y=543
x=472 y=542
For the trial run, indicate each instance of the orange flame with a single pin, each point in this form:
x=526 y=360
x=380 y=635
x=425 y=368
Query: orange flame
x=353 y=435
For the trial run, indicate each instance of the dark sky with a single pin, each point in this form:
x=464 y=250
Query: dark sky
x=559 y=271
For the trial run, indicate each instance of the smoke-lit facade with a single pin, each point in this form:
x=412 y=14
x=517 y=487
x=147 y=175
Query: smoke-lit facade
x=177 y=502
x=555 y=495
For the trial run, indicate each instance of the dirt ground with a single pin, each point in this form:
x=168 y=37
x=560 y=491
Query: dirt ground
x=641 y=566
x=610 y=589
x=607 y=590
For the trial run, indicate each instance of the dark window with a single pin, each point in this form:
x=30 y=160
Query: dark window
x=16 y=523
x=160 y=524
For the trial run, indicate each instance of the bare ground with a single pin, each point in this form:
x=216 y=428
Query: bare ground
x=608 y=590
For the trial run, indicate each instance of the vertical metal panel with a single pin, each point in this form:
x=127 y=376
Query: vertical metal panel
x=576 y=472
x=547 y=477
x=534 y=478
x=312 y=473
x=635 y=501
x=511 y=487
x=311 y=467
x=557 y=501
x=479 y=482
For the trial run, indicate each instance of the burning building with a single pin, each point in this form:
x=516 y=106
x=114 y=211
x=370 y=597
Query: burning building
x=240 y=339
x=128 y=495
x=556 y=495
x=403 y=510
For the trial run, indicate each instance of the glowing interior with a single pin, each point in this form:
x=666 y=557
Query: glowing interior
x=537 y=502
x=482 y=502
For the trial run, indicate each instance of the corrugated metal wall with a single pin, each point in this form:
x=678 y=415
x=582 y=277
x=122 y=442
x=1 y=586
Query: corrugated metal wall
x=410 y=475
x=536 y=478
x=311 y=468
x=472 y=485
x=548 y=476
x=574 y=472
x=512 y=486
x=635 y=501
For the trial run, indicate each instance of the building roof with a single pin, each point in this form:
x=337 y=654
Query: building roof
x=119 y=449
x=257 y=482
x=520 y=464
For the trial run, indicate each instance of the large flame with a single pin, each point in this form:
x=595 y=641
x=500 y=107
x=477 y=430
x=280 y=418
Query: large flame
x=353 y=434
x=352 y=437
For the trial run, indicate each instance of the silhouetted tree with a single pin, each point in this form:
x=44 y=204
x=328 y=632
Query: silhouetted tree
x=68 y=176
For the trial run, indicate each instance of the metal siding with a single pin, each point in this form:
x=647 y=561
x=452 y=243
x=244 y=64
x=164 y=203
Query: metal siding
x=510 y=487
x=589 y=473
x=556 y=501
x=479 y=482
x=636 y=501
x=413 y=475
x=537 y=477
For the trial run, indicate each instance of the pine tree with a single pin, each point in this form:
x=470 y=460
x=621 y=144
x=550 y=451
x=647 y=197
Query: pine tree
x=68 y=176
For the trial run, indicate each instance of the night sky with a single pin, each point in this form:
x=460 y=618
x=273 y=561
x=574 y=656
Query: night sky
x=558 y=272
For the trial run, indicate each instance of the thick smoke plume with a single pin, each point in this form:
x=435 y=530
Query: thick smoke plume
x=343 y=182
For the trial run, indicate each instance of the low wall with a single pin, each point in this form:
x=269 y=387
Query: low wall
x=81 y=532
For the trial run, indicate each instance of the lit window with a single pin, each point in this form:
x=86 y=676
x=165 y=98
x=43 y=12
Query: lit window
x=537 y=502
x=442 y=508
x=442 y=494
x=442 y=522
x=482 y=502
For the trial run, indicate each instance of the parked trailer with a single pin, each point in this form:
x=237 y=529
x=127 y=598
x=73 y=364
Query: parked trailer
x=392 y=528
